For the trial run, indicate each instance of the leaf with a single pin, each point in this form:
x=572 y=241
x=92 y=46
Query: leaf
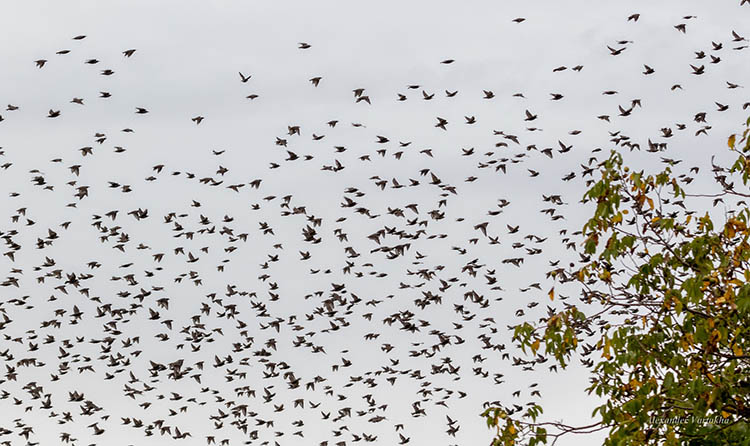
x=535 y=346
x=551 y=293
x=731 y=140
x=668 y=381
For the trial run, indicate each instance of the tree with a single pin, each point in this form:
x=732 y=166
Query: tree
x=666 y=306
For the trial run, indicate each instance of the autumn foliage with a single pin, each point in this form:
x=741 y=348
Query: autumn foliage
x=666 y=309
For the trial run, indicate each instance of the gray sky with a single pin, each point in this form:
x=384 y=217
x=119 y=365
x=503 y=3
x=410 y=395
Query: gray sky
x=186 y=64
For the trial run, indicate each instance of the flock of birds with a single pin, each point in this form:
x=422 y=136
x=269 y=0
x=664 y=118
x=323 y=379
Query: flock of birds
x=367 y=313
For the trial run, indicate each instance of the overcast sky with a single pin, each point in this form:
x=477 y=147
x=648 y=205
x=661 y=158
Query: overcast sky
x=186 y=64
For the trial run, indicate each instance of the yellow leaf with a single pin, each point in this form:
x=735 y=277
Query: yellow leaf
x=553 y=320
x=730 y=142
x=714 y=337
x=730 y=231
x=551 y=293
x=535 y=346
x=581 y=274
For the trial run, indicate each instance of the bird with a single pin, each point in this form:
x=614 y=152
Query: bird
x=441 y=123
